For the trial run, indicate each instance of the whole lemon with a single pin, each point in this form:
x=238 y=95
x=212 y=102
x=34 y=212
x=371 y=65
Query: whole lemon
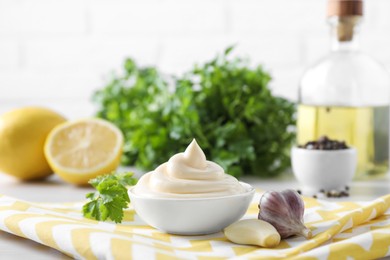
x=23 y=133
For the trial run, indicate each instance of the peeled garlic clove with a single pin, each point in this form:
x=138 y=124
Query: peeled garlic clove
x=253 y=232
x=284 y=210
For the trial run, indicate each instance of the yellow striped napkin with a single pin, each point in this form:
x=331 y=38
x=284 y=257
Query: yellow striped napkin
x=359 y=230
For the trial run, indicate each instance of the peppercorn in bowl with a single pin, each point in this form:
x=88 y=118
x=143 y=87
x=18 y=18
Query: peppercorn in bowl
x=323 y=164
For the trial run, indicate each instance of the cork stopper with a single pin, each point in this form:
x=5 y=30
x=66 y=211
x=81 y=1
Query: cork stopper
x=346 y=27
x=345 y=8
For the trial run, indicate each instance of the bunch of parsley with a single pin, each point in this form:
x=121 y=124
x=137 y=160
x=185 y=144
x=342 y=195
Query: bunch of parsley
x=225 y=104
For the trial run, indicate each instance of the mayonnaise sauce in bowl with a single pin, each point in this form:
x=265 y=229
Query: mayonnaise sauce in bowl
x=188 y=175
x=189 y=195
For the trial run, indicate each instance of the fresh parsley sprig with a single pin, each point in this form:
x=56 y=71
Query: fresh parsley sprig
x=110 y=197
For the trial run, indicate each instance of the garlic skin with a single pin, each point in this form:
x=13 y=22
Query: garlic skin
x=284 y=210
x=253 y=232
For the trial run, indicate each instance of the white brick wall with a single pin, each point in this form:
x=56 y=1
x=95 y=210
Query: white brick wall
x=57 y=52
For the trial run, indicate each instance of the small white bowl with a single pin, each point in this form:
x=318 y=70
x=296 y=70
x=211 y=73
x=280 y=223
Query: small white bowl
x=192 y=216
x=323 y=169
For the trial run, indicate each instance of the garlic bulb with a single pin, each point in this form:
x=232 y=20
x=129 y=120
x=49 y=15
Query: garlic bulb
x=284 y=210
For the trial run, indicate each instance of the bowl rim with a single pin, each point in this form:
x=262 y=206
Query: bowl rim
x=350 y=149
x=250 y=191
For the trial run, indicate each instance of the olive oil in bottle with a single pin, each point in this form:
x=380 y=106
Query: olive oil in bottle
x=346 y=94
x=365 y=128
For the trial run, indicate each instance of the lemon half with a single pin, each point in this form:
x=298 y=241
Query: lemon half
x=81 y=150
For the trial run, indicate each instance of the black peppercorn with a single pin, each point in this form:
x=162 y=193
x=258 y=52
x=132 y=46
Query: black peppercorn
x=324 y=143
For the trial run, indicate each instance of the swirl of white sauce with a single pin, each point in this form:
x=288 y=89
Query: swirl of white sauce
x=188 y=174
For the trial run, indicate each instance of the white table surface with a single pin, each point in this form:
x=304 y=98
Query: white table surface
x=54 y=190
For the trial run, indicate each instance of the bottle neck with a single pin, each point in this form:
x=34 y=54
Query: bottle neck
x=344 y=32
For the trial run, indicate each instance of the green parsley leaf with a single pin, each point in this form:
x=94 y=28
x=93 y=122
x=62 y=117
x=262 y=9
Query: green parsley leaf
x=110 y=198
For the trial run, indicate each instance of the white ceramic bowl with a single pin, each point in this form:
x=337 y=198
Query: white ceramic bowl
x=192 y=216
x=323 y=169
